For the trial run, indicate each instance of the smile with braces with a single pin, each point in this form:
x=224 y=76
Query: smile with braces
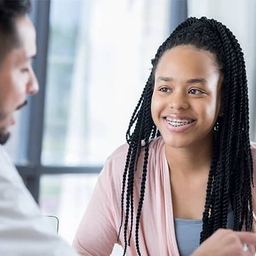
x=178 y=123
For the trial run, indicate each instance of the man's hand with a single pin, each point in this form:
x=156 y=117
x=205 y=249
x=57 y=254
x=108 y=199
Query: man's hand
x=226 y=242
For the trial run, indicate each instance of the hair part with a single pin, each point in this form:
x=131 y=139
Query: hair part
x=231 y=170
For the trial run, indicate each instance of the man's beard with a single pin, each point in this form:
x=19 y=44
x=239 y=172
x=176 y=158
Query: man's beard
x=4 y=136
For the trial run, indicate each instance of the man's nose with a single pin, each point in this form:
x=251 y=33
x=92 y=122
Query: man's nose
x=32 y=86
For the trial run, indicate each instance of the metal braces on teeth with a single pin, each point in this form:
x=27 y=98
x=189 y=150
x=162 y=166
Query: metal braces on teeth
x=178 y=123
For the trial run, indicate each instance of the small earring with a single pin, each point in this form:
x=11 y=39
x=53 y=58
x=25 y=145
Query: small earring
x=216 y=127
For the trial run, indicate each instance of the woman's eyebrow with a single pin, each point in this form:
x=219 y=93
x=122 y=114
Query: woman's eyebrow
x=197 y=81
x=164 y=78
x=190 y=81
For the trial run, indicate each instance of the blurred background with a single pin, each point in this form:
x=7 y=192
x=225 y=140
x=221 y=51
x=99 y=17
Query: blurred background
x=94 y=58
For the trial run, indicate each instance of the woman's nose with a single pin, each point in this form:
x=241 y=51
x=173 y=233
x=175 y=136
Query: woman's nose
x=178 y=101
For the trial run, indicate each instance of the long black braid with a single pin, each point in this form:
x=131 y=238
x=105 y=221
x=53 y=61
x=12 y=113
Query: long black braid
x=231 y=171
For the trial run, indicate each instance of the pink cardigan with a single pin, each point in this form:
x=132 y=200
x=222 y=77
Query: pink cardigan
x=97 y=232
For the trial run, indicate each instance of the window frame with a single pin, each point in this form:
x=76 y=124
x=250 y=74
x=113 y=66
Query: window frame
x=34 y=116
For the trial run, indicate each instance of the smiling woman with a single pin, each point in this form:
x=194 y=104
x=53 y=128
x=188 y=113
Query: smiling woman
x=186 y=96
x=97 y=61
x=178 y=181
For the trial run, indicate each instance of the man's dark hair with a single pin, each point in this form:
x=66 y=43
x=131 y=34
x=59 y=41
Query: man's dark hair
x=231 y=170
x=9 y=11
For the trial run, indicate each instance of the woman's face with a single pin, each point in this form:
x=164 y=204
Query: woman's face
x=186 y=97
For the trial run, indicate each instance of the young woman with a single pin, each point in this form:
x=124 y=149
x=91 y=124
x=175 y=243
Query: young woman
x=184 y=180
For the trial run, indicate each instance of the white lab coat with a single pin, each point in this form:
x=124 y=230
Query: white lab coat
x=24 y=231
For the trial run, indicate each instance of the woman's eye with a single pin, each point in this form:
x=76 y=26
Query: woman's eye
x=164 y=89
x=195 y=91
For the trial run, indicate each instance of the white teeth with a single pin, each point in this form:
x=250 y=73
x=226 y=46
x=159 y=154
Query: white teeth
x=178 y=123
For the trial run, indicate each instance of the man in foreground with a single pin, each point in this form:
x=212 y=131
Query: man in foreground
x=23 y=228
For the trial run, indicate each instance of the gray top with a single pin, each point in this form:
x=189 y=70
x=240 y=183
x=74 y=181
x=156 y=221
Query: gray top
x=188 y=233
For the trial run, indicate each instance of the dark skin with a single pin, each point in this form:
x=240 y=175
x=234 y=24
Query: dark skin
x=185 y=106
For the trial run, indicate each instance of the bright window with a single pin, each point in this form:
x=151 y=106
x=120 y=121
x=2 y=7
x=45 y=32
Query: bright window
x=98 y=63
x=99 y=60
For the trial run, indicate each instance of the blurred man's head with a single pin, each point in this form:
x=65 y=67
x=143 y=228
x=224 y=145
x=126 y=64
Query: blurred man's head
x=17 y=49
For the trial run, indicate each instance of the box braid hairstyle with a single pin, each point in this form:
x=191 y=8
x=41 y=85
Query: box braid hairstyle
x=231 y=171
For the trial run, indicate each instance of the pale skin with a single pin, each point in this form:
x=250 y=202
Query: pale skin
x=17 y=78
x=185 y=106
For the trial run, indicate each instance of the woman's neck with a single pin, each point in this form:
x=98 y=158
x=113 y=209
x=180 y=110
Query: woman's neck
x=190 y=160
